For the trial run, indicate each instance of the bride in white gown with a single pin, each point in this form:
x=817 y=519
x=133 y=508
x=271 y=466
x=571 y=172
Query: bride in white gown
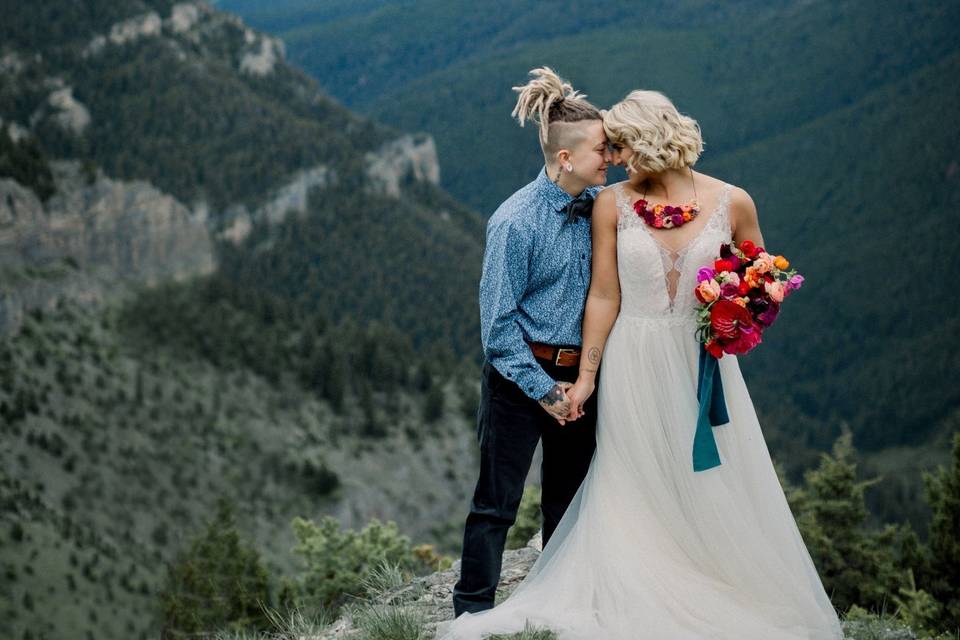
x=649 y=548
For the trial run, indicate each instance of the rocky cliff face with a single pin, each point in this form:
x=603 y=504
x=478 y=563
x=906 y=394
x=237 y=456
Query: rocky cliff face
x=91 y=239
x=408 y=158
x=152 y=217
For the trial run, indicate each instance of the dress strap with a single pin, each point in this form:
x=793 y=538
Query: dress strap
x=722 y=213
x=623 y=204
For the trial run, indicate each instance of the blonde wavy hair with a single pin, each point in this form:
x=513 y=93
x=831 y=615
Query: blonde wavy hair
x=660 y=136
x=555 y=106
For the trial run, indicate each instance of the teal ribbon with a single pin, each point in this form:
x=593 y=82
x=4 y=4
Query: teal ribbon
x=713 y=412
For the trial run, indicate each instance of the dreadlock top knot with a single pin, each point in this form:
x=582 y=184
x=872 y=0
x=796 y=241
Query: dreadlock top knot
x=547 y=99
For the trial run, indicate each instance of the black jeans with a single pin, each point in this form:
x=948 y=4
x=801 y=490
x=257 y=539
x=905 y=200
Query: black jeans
x=509 y=425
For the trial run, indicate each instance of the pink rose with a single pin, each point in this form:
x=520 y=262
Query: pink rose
x=775 y=290
x=763 y=263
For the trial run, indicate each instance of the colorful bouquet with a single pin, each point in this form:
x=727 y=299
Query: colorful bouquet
x=740 y=296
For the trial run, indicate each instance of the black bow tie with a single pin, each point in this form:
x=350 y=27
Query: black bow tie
x=582 y=207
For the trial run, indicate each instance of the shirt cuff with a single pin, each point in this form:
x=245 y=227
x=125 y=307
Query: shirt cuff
x=536 y=384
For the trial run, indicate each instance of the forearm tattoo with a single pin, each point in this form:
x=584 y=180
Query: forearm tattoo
x=593 y=357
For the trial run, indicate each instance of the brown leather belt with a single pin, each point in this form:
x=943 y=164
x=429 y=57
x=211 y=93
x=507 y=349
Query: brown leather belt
x=560 y=356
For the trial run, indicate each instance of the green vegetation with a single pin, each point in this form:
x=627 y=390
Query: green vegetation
x=530 y=632
x=881 y=571
x=218 y=583
x=25 y=162
x=529 y=518
x=390 y=622
x=340 y=564
x=412 y=266
x=123 y=427
x=943 y=489
x=857 y=566
x=243 y=135
x=870 y=575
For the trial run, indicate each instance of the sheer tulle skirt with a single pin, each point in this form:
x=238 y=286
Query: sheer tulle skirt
x=649 y=549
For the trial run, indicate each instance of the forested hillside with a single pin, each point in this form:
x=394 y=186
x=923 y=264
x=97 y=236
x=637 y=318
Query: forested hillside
x=216 y=285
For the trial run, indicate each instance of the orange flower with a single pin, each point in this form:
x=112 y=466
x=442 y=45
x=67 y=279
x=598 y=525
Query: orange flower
x=781 y=263
x=742 y=301
x=687 y=217
x=708 y=290
x=753 y=277
x=658 y=208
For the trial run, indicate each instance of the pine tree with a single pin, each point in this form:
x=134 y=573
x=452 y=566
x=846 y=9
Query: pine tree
x=218 y=584
x=943 y=492
x=433 y=403
x=856 y=566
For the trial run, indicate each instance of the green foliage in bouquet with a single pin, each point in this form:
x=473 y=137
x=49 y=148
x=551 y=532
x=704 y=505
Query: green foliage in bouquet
x=218 y=584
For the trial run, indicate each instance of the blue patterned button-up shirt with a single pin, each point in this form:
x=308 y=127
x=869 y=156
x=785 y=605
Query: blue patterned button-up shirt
x=536 y=272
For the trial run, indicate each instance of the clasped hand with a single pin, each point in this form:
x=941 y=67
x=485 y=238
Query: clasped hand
x=565 y=401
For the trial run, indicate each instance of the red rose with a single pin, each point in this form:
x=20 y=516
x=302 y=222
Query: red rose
x=747 y=247
x=744 y=288
x=722 y=265
x=640 y=205
x=725 y=316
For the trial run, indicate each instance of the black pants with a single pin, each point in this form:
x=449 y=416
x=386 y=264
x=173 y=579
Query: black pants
x=509 y=425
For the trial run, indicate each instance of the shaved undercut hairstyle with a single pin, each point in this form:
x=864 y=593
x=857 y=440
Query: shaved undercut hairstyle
x=556 y=108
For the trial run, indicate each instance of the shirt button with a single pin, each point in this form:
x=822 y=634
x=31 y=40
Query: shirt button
x=530 y=389
x=583 y=256
x=509 y=374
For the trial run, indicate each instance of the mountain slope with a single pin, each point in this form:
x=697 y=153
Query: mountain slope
x=118 y=442
x=204 y=294
x=206 y=110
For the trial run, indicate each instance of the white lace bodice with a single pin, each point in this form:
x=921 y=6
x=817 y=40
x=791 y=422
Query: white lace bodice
x=655 y=281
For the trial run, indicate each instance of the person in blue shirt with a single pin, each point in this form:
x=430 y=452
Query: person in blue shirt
x=536 y=273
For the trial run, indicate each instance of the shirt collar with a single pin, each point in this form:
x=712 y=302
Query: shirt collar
x=557 y=198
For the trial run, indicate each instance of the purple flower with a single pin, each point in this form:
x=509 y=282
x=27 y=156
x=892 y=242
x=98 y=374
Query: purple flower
x=734 y=262
x=795 y=282
x=677 y=219
x=767 y=317
x=705 y=273
x=729 y=290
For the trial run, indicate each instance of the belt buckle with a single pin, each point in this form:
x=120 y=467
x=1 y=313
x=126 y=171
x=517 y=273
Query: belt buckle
x=560 y=351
